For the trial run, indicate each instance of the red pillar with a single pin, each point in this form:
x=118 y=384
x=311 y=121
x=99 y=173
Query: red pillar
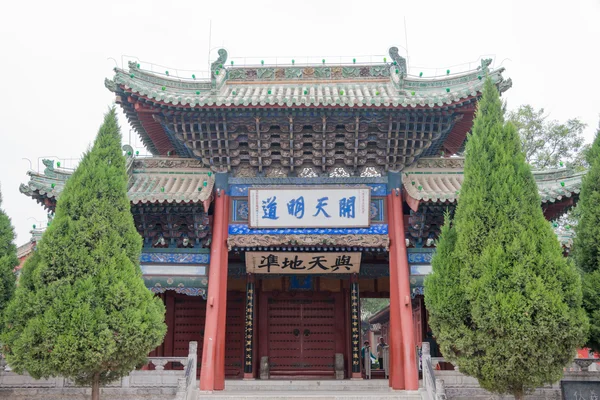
x=215 y=285
x=396 y=378
x=221 y=327
x=400 y=304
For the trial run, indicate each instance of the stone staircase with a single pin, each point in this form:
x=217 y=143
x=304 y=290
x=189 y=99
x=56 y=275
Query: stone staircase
x=311 y=389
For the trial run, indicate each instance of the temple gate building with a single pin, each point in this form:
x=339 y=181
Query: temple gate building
x=277 y=196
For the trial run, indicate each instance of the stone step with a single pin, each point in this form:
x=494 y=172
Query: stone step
x=307 y=385
x=313 y=395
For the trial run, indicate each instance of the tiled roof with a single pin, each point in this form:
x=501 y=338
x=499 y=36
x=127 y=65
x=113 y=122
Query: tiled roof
x=565 y=235
x=158 y=180
x=170 y=180
x=351 y=85
x=25 y=249
x=438 y=180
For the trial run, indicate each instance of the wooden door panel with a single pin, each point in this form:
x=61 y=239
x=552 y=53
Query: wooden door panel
x=284 y=334
x=190 y=314
x=318 y=334
x=301 y=334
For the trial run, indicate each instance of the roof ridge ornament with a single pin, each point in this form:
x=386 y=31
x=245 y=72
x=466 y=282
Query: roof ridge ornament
x=485 y=64
x=216 y=66
x=110 y=85
x=399 y=60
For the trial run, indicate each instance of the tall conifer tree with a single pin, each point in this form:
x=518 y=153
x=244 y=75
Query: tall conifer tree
x=90 y=317
x=8 y=259
x=504 y=303
x=587 y=242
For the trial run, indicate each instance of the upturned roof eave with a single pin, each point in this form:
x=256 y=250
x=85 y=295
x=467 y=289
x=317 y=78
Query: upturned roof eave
x=160 y=183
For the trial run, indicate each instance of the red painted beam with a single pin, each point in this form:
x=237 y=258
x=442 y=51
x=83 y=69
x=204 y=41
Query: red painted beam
x=213 y=306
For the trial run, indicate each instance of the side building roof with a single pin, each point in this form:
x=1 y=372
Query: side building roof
x=430 y=181
x=151 y=180
x=438 y=181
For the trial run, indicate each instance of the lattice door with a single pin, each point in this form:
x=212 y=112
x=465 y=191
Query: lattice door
x=301 y=337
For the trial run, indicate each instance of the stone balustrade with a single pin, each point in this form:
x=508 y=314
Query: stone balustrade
x=160 y=362
x=139 y=384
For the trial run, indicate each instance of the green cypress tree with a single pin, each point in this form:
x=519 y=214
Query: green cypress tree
x=8 y=259
x=90 y=317
x=587 y=244
x=504 y=304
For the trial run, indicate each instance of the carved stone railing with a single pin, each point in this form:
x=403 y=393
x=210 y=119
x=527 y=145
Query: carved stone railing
x=160 y=362
x=435 y=387
x=584 y=365
x=180 y=383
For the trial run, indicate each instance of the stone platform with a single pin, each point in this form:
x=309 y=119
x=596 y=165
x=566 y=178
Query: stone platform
x=310 y=389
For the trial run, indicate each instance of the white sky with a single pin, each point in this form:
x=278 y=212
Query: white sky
x=54 y=57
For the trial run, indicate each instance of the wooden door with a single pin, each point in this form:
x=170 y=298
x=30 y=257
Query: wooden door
x=301 y=335
x=189 y=320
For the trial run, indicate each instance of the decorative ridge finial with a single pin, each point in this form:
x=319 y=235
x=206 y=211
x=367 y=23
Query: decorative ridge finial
x=128 y=150
x=110 y=85
x=216 y=66
x=400 y=61
x=504 y=85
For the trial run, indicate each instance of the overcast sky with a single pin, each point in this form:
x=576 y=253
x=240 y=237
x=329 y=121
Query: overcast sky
x=55 y=55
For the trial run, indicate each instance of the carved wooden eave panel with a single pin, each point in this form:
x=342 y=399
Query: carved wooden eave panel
x=226 y=141
x=361 y=241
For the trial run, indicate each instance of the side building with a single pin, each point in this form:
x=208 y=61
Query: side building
x=279 y=196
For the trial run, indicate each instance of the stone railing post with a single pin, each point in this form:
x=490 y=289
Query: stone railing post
x=440 y=387
x=182 y=393
x=425 y=356
x=367 y=362
x=429 y=381
x=386 y=361
x=264 y=367
x=190 y=369
x=339 y=366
